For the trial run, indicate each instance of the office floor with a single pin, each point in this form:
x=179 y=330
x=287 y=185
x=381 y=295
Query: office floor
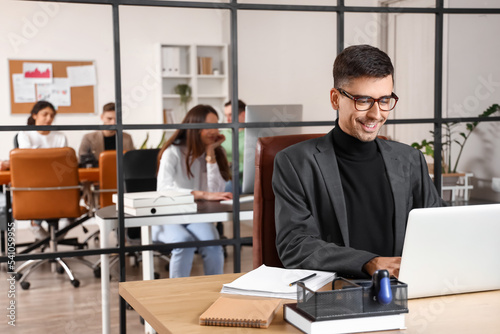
x=53 y=305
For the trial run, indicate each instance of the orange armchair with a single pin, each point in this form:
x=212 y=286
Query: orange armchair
x=45 y=186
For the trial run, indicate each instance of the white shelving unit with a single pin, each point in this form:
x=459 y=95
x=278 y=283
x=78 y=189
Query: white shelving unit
x=456 y=186
x=179 y=64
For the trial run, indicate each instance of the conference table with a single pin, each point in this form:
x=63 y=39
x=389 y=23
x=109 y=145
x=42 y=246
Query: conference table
x=107 y=220
x=84 y=174
x=174 y=306
x=87 y=176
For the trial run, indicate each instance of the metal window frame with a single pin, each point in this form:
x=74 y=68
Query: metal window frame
x=234 y=7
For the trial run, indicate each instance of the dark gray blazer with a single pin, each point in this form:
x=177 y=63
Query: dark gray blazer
x=311 y=222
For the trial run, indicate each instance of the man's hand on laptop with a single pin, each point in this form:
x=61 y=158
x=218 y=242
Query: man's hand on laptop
x=391 y=264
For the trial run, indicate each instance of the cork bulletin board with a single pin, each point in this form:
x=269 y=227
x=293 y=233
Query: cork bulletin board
x=82 y=98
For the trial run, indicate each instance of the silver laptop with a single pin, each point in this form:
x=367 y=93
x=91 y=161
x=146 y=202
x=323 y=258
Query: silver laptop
x=451 y=250
x=277 y=114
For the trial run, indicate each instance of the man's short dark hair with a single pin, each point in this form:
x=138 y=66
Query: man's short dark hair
x=109 y=107
x=360 y=61
x=241 y=106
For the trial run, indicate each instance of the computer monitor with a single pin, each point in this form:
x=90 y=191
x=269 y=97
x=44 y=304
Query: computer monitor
x=280 y=115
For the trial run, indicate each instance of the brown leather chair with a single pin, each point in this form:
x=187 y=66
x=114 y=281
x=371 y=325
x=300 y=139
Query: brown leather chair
x=45 y=186
x=264 y=232
x=107 y=178
x=102 y=196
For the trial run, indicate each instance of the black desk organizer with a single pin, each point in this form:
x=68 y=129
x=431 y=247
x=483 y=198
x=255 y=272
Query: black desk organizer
x=350 y=299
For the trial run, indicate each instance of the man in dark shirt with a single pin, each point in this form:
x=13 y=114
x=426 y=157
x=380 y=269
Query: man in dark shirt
x=342 y=200
x=94 y=143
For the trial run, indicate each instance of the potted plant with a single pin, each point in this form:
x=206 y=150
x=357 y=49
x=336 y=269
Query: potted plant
x=145 y=142
x=184 y=91
x=449 y=137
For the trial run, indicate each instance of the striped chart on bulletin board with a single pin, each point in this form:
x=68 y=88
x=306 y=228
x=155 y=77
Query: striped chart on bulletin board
x=82 y=97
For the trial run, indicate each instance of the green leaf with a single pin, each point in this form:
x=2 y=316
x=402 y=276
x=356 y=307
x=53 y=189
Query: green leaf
x=448 y=134
x=144 y=143
x=162 y=140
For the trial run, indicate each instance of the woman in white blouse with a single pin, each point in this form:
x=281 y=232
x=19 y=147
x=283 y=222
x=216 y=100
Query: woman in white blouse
x=193 y=159
x=43 y=113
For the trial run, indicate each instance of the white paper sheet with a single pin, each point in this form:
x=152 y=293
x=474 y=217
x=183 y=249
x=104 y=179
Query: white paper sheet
x=24 y=91
x=58 y=93
x=81 y=76
x=274 y=282
x=38 y=72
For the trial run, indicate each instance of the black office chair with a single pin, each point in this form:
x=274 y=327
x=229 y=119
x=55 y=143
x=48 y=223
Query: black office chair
x=16 y=141
x=139 y=174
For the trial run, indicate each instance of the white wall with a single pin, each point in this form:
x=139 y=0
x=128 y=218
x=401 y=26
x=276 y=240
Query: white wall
x=473 y=84
x=52 y=31
x=56 y=31
x=287 y=58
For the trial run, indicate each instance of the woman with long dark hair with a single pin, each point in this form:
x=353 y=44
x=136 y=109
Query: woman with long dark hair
x=193 y=159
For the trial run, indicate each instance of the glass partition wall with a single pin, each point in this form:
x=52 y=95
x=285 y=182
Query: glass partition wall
x=264 y=52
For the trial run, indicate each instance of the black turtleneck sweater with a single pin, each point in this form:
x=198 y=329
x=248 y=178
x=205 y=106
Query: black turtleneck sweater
x=368 y=195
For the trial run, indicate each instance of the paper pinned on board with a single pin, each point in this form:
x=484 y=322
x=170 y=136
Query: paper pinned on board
x=80 y=76
x=24 y=91
x=58 y=93
x=37 y=72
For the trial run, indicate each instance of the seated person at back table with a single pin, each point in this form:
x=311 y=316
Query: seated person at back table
x=43 y=113
x=342 y=200
x=94 y=143
x=193 y=159
x=228 y=143
x=4 y=165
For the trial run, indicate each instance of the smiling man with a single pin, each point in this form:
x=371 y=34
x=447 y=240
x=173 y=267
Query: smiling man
x=342 y=200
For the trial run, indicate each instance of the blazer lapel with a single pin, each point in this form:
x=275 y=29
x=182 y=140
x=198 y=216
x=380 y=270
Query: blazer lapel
x=398 y=178
x=327 y=163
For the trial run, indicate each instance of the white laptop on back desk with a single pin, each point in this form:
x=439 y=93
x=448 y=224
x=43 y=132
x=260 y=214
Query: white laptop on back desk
x=451 y=250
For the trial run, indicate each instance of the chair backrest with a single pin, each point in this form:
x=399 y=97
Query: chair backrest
x=139 y=170
x=139 y=174
x=107 y=177
x=16 y=141
x=44 y=183
x=264 y=231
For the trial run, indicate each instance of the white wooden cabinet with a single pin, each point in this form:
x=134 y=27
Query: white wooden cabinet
x=181 y=64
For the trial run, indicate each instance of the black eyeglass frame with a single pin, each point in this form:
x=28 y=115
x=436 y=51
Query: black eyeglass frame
x=356 y=98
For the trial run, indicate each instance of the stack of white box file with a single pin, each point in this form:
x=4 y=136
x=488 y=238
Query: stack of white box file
x=150 y=203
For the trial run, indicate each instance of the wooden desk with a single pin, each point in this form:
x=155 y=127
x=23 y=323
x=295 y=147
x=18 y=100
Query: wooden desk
x=85 y=174
x=107 y=220
x=174 y=305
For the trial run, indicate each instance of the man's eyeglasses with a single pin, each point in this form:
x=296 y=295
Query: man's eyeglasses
x=364 y=103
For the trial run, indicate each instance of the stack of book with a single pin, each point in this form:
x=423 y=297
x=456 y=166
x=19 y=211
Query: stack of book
x=350 y=307
x=205 y=65
x=157 y=202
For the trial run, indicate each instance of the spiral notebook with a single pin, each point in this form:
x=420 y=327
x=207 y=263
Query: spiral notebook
x=233 y=311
